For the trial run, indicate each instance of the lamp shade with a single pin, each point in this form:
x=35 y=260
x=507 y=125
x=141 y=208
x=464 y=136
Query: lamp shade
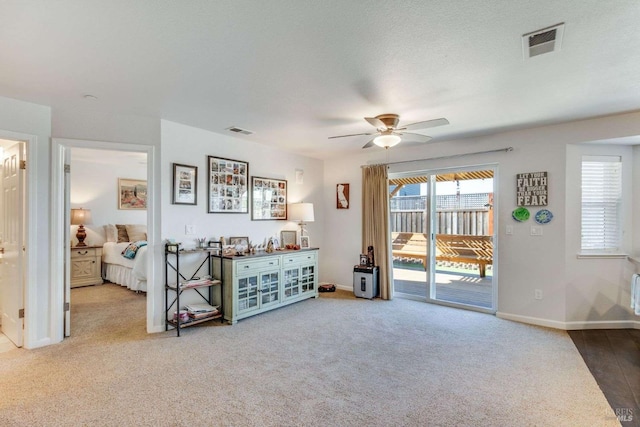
x=301 y=212
x=80 y=216
x=386 y=141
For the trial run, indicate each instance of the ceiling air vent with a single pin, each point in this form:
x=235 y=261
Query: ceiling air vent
x=542 y=41
x=239 y=130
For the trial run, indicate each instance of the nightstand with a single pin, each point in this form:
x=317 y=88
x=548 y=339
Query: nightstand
x=86 y=266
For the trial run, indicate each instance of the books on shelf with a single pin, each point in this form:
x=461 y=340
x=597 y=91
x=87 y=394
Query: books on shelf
x=201 y=311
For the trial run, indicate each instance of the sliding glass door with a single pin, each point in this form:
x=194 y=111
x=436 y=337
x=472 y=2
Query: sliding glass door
x=442 y=231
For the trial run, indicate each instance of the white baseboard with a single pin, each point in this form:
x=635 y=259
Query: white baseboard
x=570 y=326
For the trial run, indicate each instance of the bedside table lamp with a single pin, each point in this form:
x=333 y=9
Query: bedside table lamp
x=81 y=217
x=303 y=213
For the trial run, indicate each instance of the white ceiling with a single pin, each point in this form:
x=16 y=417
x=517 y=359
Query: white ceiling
x=297 y=72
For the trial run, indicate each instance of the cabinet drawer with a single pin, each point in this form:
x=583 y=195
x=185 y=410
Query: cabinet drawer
x=257 y=265
x=306 y=258
x=85 y=253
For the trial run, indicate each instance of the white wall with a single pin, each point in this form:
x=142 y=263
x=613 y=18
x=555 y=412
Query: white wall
x=35 y=120
x=525 y=263
x=94 y=186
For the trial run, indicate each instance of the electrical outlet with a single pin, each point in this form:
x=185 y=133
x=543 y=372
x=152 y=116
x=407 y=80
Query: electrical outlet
x=190 y=230
x=509 y=229
x=537 y=294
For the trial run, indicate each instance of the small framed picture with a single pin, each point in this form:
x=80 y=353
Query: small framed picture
x=239 y=242
x=288 y=238
x=185 y=185
x=363 y=259
x=304 y=242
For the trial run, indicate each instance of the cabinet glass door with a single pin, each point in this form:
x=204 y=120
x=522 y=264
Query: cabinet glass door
x=269 y=284
x=291 y=282
x=247 y=293
x=308 y=278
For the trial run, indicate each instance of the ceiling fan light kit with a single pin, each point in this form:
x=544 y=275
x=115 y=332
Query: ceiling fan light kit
x=389 y=134
x=387 y=141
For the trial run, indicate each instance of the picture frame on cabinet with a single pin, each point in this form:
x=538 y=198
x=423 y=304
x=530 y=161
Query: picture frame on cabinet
x=228 y=181
x=185 y=185
x=304 y=242
x=268 y=199
x=241 y=244
x=288 y=237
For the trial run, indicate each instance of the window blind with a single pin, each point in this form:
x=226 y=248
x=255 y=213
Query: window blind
x=601 y=203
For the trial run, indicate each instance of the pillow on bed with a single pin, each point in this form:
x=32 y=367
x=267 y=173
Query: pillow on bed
x=122 y=233
x=111 y=233
x=136 y=232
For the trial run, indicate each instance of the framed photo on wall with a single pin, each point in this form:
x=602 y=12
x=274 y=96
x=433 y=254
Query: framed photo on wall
x=268 y=198
x=132 y=193
x=228 y=180
x=185 y=185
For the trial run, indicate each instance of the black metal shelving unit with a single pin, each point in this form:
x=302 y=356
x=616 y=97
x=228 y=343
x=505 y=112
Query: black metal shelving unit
x=183 y=283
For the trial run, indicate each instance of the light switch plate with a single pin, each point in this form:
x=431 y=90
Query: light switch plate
x=190 y=230
x=536 y=231
x=509 y=229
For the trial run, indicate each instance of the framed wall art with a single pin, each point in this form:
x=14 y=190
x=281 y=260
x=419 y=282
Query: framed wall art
x=185 y=185
x=132 y=193
x=228 y=180
x=268 y=199
x=342 y=196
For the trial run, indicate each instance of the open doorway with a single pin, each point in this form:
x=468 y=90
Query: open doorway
x=107 y=200
x=61 y=238
x=442 y=232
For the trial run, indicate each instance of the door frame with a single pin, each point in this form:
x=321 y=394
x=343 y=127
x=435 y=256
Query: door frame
x=59 y=251
x=29 y=282
x=431 y=242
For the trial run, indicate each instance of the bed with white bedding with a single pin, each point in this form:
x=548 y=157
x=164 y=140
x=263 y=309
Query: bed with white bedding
x=116 y=268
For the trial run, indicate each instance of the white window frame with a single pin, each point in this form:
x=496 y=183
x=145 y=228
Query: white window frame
x=602 y=203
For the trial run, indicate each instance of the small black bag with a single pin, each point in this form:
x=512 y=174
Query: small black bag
x=327 y=288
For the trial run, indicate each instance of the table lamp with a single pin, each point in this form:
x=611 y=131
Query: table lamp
x=303 y=213
x=80 y=217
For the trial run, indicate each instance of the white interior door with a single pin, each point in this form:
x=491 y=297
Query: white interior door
x=12 y=246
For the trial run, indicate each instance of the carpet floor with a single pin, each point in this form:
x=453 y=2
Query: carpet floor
x=331 y=361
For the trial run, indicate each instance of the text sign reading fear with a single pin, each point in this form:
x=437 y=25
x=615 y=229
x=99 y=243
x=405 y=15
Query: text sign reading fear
x=531 y=189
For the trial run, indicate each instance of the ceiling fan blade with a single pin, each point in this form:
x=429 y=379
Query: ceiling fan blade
x=376 y=122
x=353 y=134
x=414 y=137
x=426 y=124
x=368 y=144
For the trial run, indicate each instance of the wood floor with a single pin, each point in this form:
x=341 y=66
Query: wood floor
x=613 y=357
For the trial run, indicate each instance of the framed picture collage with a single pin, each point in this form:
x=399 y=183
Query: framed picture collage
x=228 y=189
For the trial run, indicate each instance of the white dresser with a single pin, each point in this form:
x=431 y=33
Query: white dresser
x=257 y=283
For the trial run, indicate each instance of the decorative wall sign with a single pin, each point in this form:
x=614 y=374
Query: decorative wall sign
x=269 y=198
x=531 y=189
x=132 y=194
x=228 y=180
x=342 y=196
x=543 y=216
x=185 y=185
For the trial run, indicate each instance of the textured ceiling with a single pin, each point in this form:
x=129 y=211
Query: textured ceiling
x=297 y=72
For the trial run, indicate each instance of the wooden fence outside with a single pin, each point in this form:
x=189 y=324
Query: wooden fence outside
x=474 y=222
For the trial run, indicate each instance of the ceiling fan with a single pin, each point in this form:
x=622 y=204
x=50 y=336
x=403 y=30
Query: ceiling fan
x=389 y=134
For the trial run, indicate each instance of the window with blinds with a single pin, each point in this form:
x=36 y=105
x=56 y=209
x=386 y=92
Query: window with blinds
x=601 y=203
